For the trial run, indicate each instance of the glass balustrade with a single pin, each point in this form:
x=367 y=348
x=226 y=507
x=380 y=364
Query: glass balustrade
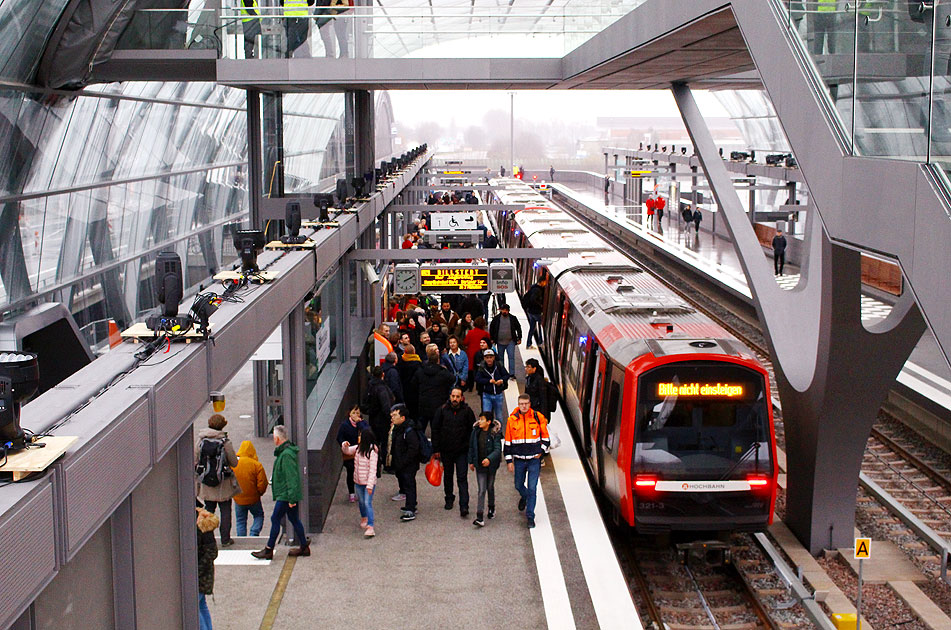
x=886 y=65
x=523 y=28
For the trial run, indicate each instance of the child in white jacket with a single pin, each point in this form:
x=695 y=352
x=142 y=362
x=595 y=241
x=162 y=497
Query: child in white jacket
x=365 y=455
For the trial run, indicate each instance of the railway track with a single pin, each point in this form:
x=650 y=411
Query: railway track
x=744 y=594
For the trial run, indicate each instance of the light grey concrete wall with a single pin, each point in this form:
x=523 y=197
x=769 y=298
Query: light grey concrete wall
x=80 y=596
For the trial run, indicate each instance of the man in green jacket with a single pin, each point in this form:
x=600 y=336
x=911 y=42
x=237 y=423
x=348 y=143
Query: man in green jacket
x=286 y=487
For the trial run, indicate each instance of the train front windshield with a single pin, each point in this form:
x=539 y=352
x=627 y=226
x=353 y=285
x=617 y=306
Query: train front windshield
x=702 y=421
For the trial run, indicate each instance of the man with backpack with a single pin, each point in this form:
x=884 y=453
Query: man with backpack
x=216 y=484
x=542 y=393
x=403 y=456
x=526 y=441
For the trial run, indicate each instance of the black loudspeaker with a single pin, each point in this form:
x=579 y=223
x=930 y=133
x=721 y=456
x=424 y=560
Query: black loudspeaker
x=19 y=378
x=292 y=223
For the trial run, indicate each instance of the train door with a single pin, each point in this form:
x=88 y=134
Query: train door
x=609 y=423
x=555 y=337
x=594 y=410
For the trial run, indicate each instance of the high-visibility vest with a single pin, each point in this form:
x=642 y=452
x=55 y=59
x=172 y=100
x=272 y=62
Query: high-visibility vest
x=295 y=8
x=249 y=7
x=826 y=6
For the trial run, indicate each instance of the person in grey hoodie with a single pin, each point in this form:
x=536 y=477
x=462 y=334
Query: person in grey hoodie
x=220 y=495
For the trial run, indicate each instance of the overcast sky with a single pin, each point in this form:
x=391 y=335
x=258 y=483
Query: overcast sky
x=580 y=106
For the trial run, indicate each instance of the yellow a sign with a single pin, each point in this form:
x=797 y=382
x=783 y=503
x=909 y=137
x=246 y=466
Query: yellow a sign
x=863 y=548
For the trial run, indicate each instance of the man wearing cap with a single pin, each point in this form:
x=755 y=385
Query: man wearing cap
x=212 y=441
x=491 y=381
x=507 y=333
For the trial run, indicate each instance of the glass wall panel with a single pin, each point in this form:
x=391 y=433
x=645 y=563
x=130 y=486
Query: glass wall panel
x=893 y=80
x=25 y=28
x=940 y=20
x=322 y=348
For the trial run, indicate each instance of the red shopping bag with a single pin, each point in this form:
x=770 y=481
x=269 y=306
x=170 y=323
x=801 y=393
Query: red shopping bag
x=434 y=471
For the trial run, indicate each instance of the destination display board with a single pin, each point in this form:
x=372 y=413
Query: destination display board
x=454 y=278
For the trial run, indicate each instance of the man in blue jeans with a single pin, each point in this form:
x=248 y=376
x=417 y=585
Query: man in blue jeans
x=286 y=487
x=506 y=331
x=526 y=440
x=491 y=381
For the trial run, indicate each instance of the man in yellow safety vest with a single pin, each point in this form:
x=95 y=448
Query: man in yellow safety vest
x=295 y=24
x=822 y=25
x=250 y=26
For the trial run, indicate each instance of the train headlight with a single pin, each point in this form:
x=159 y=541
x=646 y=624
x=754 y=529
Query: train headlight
x=645 y=483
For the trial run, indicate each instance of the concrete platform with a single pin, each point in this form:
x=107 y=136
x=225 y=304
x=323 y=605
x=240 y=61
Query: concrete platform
x=438 y=570
x=887 y=563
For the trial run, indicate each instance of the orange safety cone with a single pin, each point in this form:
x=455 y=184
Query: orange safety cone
x=114 y=338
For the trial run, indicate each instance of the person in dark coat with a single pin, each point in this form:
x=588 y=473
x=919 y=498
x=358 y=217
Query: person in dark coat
x=472 y=304
x=779 y=252
x=697 y=218
x=533 y=302
x=436 y=335
x=491 y=381
x=408 y=365
x=207 y=552
x=506 y=331
x=535 y=386
x=403 y=457
x=377 y=404
x=433 y=383
x=391 y=376
x=485 y=455
x=452 y=425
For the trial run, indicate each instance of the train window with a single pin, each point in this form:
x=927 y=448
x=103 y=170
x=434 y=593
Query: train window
x=611 y=418
x=702 y=420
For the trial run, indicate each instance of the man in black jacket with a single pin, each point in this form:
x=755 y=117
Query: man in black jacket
x=535 y=386
x=433 y=383
x=779 y=252
x=403 y=457
x=506 y=332
x=491 y=381
x=391 y=376
x=378 y=401
x=532 y=302
x=452 y=426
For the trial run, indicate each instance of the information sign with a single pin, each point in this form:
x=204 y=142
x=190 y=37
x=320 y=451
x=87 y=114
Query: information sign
x=457 y=278
x=453 y=221
x=502 y=278
x=863 y=548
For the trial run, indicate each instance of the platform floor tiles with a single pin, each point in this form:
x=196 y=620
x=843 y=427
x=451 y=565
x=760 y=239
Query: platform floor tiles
x=436 y=571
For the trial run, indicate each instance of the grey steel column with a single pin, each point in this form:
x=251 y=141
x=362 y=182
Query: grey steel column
x=259 y=373
x=255 y=150
x=364 y=132
x=184 y=453
x=295 y=400
x=816 y=339
x=273 y=144
x=123 y=565
x=752 y=199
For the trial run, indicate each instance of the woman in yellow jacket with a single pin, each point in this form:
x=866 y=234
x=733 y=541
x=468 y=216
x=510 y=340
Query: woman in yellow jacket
x=253 y=482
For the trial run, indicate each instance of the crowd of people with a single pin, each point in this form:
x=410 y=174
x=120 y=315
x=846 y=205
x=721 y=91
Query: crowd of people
x=414 y=412
x=440 y=351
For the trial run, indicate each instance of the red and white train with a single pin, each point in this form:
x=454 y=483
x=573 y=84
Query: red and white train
x=673 y=414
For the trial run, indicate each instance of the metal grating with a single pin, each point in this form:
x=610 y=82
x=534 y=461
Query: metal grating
x=104 y=473
x=629 y=303
x=29 y=553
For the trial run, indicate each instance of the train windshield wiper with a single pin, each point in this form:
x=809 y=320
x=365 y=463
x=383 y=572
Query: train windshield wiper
x=754 y=447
